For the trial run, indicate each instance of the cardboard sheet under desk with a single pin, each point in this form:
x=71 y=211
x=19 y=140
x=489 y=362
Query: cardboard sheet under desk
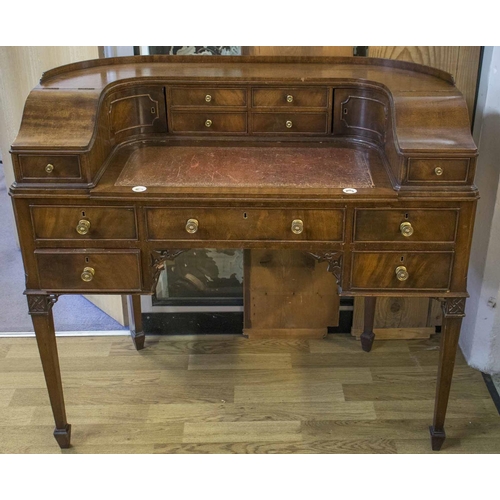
x=197 y=166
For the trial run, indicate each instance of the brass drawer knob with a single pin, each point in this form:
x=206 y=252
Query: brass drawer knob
x=83 y=227
x=289 y=124
x=49 y=168
x=406 y=229
x=208 y=98
x=438 y=171
x=208 y=123
x=88 y=274
x=289 y=98
x=192 y=226
x=402 y=273
x=297 y=226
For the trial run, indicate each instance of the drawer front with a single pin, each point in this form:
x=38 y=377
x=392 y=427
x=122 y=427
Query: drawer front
x=290 y=97
x=52 y=168
x=209 y=97
x=233 y=224
x=405 y=226
x=209 y=122
x=83 y=223
x=136 y=110
x=290 y=123
x=425 y=271
x=102 y=270
x=361 y=112
x=446 y=170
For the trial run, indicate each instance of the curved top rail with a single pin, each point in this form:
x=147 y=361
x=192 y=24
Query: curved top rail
x=368 y=62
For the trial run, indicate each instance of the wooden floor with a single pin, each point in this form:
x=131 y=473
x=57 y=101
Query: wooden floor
x=227 y=394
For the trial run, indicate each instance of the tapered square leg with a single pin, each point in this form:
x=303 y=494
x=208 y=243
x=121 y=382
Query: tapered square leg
x=437 y=438
x=135 y=321
x=40 y=309
x=453 y=312
x=63 y=436
x=367 y=337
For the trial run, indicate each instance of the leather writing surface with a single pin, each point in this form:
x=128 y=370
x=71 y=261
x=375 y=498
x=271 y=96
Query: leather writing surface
x=246 y=166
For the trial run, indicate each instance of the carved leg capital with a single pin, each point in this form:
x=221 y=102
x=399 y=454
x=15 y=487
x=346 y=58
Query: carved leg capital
x=40 y=303
x=453 y=307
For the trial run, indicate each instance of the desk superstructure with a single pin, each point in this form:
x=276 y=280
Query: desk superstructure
x=121 y=164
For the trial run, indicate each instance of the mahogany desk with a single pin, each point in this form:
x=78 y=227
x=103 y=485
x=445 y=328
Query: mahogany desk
x=121 y=164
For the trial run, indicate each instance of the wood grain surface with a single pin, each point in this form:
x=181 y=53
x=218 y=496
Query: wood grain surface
x=89 y=101
x=461 y=62
x=228 y=394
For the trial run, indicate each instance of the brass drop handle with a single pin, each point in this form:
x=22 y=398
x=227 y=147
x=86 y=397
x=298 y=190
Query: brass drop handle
x=289 y=124
x=88 y=274
x=402 y=273
x=49 y=168
x=297 y=226
x=208 y=123
x=192 y=226
x=406 y=229
x=83 y=227
x=438 y=171
x=289 y=98
x=208 y=98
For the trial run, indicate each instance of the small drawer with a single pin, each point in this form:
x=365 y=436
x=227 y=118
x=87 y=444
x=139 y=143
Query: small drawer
x=209 y=122
x=89 y=270
x=232 y=224
x=290 y=123
x=210 y=97
x=51 y=168
x=446 y=170
x=83 y=223
x=405 y=226
x=399 y=270
x=292 y=97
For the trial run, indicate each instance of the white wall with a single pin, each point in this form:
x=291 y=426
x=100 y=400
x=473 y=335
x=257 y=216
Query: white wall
x=480 y=337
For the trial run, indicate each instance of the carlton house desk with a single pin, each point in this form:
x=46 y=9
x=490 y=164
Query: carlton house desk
x=122 y=164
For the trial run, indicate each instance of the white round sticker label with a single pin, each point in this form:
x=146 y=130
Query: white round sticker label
x=139 y=189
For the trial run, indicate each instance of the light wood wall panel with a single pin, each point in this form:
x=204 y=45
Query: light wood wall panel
x=298 y=51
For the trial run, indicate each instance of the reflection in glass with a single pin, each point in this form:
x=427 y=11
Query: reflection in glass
x=202 y=276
